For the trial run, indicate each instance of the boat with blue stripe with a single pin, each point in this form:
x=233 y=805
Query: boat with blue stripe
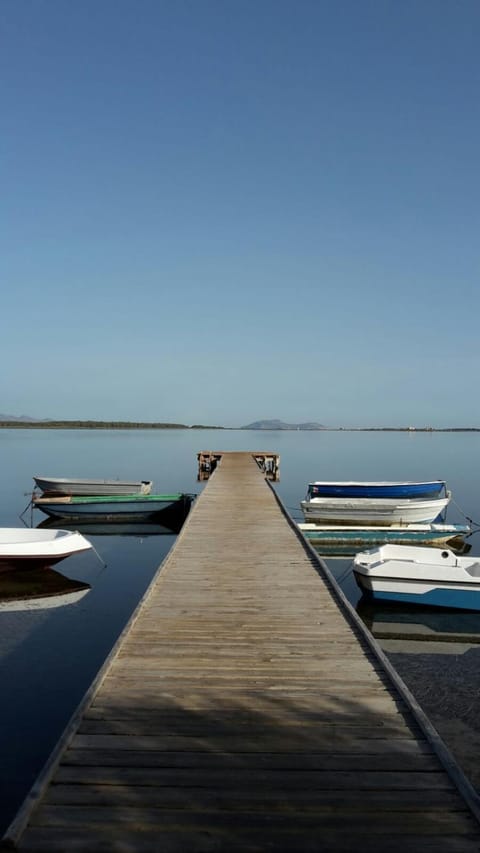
x=376 y=489
x=425 y=576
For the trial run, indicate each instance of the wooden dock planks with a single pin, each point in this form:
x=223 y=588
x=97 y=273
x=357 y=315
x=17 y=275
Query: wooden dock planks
x=243 y=710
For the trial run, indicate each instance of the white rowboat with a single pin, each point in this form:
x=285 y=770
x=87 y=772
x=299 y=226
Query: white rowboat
x=69 y=486
x=376 y=511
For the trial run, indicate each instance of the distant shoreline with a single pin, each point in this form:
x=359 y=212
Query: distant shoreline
x=158 y=426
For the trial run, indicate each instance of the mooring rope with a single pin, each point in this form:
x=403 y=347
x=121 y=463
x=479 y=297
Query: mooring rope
x=466 y=517
x=28 y=506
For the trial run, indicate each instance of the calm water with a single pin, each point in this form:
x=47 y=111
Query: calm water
x=48 y=658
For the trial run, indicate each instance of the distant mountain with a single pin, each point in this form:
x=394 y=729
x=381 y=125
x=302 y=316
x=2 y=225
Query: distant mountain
x=20 y=418
x=275 y=424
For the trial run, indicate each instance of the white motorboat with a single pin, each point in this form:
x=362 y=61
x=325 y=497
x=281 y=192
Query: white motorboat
x=23 y=547
x=426 y=576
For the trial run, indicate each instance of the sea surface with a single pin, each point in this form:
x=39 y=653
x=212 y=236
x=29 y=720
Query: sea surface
x=49 y=657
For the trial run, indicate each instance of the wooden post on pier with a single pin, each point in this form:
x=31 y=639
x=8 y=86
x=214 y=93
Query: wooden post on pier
x=267 y=461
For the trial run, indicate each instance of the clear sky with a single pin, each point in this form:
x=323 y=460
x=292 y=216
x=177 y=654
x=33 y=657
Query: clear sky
x=218 y=211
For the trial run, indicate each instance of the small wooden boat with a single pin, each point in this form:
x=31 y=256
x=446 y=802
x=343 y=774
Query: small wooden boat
x=343 y=540
x=39 y=589
x=425 y=576
x=22 y=547
x=376 y=511
x=375 y=489
x=115 y=507
x=71 y=486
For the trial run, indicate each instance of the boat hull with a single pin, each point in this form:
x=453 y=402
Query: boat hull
x=64 y=486
x=456 y=598
x=372 y=511
x=12 y=563
x=373 y=489
x=121 y=508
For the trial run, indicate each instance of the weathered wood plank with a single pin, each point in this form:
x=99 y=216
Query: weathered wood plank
x=295 y=742
x=237 y=778
x=255 y=711
x=238 y=839
x=209 y=760
x=429 y=822
x=243 y=729
x=245 y=799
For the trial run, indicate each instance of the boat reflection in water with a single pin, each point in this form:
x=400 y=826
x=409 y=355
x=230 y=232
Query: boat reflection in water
x=420 y=630
x=38 y=589
x=141 y=529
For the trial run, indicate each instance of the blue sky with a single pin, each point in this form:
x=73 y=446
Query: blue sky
x=216 y=212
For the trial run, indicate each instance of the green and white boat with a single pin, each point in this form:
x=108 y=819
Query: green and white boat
x=113 y=507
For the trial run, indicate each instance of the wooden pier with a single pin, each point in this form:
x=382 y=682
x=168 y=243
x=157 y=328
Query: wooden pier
x=246 y=708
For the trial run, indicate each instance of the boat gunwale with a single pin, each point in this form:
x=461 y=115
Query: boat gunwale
x=377 y=482
x=356 y=503
x=43 y=500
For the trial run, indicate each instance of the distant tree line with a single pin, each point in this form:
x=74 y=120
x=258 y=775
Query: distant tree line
x=97 y=425
x=88 y=425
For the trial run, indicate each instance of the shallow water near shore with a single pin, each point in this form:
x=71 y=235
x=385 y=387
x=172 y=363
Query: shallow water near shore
x=49 y=657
